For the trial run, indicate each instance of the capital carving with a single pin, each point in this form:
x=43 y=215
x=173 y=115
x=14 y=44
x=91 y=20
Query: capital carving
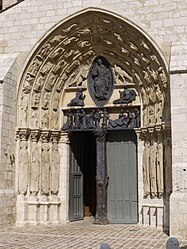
x=34 y=135
x=55 y=136
x=45 y=136
x=64 y=137
x=23 y=134
x=100 y=135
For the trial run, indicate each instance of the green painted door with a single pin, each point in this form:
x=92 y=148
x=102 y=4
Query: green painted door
x=122 y=171
x=76 y=177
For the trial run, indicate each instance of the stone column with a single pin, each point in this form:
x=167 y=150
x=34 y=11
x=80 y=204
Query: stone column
x=101 y=177
x=64 y=176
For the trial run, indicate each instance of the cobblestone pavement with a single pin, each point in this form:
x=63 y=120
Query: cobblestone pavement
x=83 y=235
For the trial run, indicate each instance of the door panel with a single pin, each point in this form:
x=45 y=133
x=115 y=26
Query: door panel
x=76 y=178
x=122 y=172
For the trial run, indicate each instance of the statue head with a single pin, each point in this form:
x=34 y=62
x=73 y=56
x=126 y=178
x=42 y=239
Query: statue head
x=100 y=62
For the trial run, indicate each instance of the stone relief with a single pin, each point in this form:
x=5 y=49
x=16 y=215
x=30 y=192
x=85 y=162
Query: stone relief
x=24 y=110
x=64 y=58
x=55 y=169
x=100 y=81
x=34 y=67
x=126 y=96
x=45 y=167
x=34 y=169
x=46 y=100
x=121 y=76
x=39 y=84
x=153 y=163
x=100 y=118
x=54 y=120
x=23 y=167
x=50 y=82
x=34 y=118
x=78 y=100
x=28 y=82
x=45 y=119
x=35 y=100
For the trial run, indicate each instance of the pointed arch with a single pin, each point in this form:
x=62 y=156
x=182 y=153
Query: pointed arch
x=63 y=56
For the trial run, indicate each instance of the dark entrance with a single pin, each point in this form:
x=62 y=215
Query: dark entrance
x=82 y=175
x=122 y=191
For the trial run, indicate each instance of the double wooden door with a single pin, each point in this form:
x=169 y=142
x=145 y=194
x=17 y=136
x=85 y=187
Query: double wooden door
x=122 y=199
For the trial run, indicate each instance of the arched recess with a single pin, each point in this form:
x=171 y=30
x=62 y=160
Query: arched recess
x=59 y=65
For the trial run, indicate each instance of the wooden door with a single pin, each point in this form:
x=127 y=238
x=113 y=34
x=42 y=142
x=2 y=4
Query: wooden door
x=122 y=199
x=76 y=177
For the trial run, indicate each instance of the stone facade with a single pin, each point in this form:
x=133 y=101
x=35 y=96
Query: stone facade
x=46 y=51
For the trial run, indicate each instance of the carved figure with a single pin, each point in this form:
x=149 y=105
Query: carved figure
x=35 y=67
x=50 y=83
x=78 y=100
x=45 y=119
x=91 y=123
x=105 y=116
x=34 y=118
x=27 y=85
x=123 y=121
x=146 y=163
x=23 y=168
x=83 y=119
x=77 y=117
x=23 y=110
x=35 y=100
x=45 y=100
x=55 y=169
x=97 y=117
x=100 y=81
x=137 y=118
x=101 y=77
x=35 y=170
x=39 y=84
x=126 y=96
x=56 y=101
x=45 y=166
x=121 y=75
x=160 y=165
x=153 y=176
x=54 y=120
x=69 y=124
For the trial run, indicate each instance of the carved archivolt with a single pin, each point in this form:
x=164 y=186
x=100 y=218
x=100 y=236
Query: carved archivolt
x=63 y=58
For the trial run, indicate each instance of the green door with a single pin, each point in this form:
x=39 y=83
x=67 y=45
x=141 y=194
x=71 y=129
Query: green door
x=76 y=178
x=122 y=171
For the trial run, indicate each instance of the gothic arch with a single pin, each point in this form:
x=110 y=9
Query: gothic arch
x=63 y=57
x=59 y=64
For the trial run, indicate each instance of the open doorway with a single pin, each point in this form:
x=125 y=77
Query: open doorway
x=82 y=194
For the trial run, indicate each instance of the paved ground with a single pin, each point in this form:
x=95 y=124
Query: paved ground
x=83 y=235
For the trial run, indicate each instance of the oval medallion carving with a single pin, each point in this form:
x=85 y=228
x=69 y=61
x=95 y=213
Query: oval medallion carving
x=100 y=81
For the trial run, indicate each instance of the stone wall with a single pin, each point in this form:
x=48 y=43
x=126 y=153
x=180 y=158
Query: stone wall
x=178 y=70
x=24 y=24
x=8 y=83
